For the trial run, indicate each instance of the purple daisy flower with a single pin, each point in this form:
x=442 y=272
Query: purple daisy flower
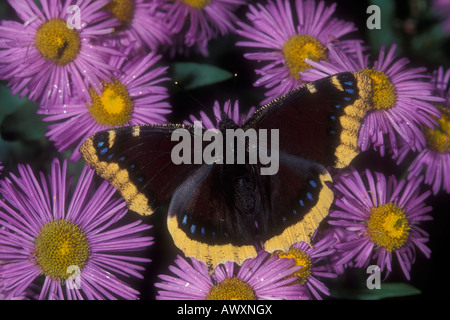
x=229 y=108
x=434 y=160
x=313 y=260
x=382 y=219
x=69 y=242
x=401 y=96
x=45 y=59
x=263 y=278
x=195 y=22
x=130 y=97
x=286 y=36
x=140 y=23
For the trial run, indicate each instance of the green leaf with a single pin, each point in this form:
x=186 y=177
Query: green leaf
x=387 y=290
x=194 y=75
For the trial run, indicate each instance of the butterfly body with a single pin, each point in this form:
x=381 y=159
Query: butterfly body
x=222 y=211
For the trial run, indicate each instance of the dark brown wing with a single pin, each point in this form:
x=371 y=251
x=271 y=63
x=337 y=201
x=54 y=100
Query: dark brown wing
x=321 y=120
x=137 y=161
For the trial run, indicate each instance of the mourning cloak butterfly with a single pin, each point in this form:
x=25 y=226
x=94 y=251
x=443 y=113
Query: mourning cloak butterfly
x=227 y=212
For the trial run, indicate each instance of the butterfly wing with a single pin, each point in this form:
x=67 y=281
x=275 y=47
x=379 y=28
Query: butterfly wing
x=137 y=161
x=206 y=217
x=318 y=127
x=321 y=120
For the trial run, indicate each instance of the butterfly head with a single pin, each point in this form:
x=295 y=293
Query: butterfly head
x=226 y=123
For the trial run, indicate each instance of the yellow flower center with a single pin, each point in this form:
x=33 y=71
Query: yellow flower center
x=437 y=138
x=388 y=227
x=198 y=4
x=299 y=47
x=113 y=107
x=57 y=42
x=301 y=259
x=384 y=93
x=59 y=245
x=231 y=289
x=123 y=10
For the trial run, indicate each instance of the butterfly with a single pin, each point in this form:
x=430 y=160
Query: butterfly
x=222 y=211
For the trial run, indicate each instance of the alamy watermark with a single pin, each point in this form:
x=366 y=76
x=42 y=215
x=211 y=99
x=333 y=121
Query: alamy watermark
x=74 y=20
x=74 y=280
x=374 y=20
x=374 y=280
x=233 y=148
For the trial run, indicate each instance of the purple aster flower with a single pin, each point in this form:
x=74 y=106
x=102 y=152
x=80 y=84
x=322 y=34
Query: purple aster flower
x=198 y=21
x=130 y=97
x=140 y=23
x=401 y=96
x=313 y=260
x=262 y=278
x=286 y=36
x=382 y=218
x=229 y=108
x=434 y=160
x=45 y=59
x=71 y=242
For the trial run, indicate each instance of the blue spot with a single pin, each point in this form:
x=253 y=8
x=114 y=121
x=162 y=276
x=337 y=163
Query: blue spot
x=100 y=144
x=349 y=83
x=122 y=158
x=347 y=98
x=332 y=132
x=284 y=219
x=350 y=91
x=302 y=203
x=226 y=234
x=193 y=228
x=103 y=151
x=313 y=183
x=184 y=219
x=132 y=166
x=333 y=118
x=214 y=235
x=338 y=106
x=110 y=156
x=295 y=211
x=140 y=179
x=309 y=196
x=203 y=231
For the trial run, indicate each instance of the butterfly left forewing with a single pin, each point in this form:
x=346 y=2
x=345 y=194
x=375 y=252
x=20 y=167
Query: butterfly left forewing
x=137 y=161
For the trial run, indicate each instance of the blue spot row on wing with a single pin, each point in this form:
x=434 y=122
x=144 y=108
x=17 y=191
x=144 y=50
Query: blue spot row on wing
x=104 y=151
x=192 y=227
x=308 y=198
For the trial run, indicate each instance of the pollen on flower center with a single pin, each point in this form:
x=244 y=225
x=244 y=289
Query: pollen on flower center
x=388 y=227
x=198 y=4
x=59 y=245
x=299 y=47
x=231 y=289
x=123 y=10
x=57 y=42
x=301 y=259
x=113 y=107
x=438 y=138
x=384 y=93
